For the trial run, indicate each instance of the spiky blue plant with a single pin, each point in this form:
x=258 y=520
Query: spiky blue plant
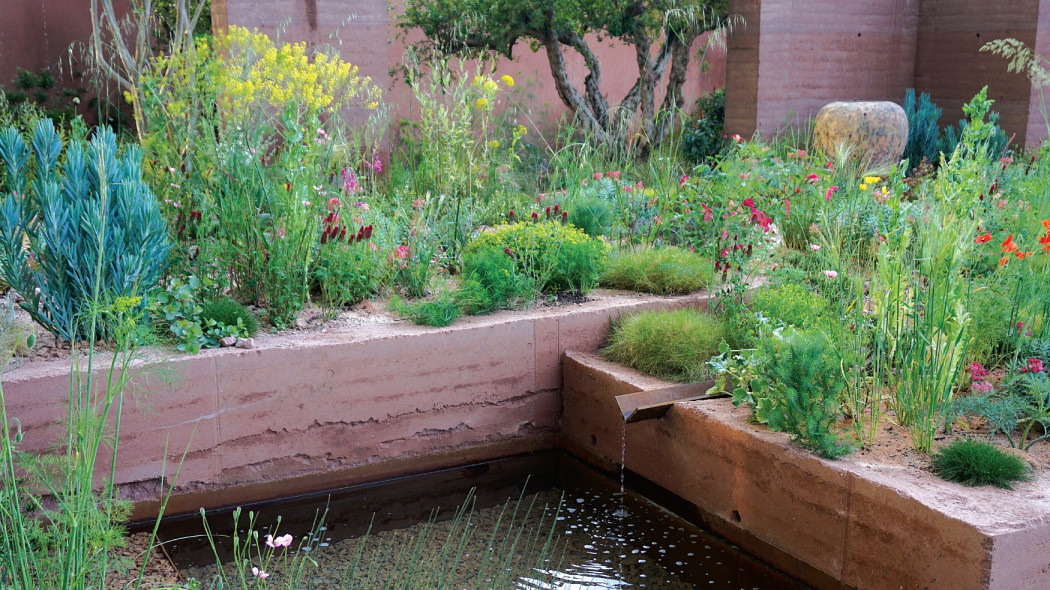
x=63 y=205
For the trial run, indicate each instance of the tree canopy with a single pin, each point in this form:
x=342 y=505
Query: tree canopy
x=662 y=33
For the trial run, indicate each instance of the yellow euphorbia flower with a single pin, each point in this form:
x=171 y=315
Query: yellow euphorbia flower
x=507 y=80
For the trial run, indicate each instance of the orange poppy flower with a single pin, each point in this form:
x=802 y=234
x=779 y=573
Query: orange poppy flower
x=1045 y=241
x=1009 y=245
x=983 y=239
x=1046 y=224
x=1021 y=254
x=1004 y=261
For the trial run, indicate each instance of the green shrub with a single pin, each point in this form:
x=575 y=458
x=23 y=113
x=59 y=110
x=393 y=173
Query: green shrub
x=348 y=269
x=93 y=204
x=923 y=132
x=977 y=463
x=438 y=312
x=557 y=257
x=990 y=331
x=227 y=312
x=674 y=345
x=491 y=281
x=663 y=271
x=805 y=389
x=703 y=136
x=791 y=305
x=592 y=214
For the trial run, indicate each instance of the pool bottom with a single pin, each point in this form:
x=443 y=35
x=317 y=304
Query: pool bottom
x=601 y=539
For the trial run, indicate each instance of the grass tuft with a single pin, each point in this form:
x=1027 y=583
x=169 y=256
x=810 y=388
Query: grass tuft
x=674 y=345
x=226 y=312
x=662 y=271
x=976 y=463
x=439 y=312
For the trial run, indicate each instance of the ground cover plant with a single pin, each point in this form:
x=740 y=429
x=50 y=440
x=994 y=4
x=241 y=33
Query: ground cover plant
x=675 y=345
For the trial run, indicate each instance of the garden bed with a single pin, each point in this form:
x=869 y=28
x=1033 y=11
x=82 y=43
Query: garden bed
x=867 y=521
x=334 y=406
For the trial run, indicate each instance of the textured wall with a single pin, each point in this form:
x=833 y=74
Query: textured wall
x=810 y=52
x=949 y=66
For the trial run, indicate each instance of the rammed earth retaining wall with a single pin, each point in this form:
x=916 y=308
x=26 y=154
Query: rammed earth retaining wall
x=831 y=523
x=309 y=411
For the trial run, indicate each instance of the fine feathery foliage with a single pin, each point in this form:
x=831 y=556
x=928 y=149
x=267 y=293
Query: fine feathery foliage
x=806 y=397
x=674 y=345
x=89 y=218
x=923 y=132
x=976 y=463
x=663 y=271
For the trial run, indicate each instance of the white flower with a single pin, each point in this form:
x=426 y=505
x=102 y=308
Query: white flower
x=814 y=247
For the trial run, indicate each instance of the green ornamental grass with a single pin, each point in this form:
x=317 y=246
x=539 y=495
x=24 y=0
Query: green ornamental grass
x=226 y=311
x=976 y=463
x=674 y=345
x=663 y=271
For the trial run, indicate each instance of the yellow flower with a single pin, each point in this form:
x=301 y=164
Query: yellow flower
x=489 y=86
x=478 y=80
x=871 y=179
x=493 y=144
x=863 y=186
x=507 y=80
x=481 y=103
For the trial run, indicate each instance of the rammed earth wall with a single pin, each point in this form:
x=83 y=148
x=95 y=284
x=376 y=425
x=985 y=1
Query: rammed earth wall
x=310 y=411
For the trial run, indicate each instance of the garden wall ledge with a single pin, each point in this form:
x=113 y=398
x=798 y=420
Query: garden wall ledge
x=831 y=523
x=308 y=411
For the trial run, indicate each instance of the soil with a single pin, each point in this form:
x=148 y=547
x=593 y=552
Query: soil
x=160 y=572
x=893 y=446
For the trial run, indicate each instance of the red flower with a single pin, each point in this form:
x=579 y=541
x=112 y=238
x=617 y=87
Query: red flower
x=983 y=239
x=1045 y=241
x=1009 y=245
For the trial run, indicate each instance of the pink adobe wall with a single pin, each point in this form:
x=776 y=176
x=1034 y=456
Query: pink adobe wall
x=794 y=56
x=365 y=35
x=811 y=52
x=949 y=66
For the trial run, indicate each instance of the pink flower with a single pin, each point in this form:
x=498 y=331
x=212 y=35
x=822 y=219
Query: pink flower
x=615 y=174
x=628 y=188
x=814 y=247
x=708 y=214
x=258 y=573
x=749 y=203
x=361 y=205
x=418 y=204
x=977 y=371
x=333 y=203
x=831 y=191
x=282 y=541
x=401 y=252
x=812 y=178
x=830 y=274
x=638 y=185
x=683 y=180
x=598 y=176
x=377 y=164
x=982 y=387
x=737 y=138
x=1035 y=365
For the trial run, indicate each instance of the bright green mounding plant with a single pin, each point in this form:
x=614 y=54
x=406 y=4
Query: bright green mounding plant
x=73 y=202
x=977 y=463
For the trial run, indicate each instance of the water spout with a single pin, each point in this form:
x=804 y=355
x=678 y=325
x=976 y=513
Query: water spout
x=649 y=405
